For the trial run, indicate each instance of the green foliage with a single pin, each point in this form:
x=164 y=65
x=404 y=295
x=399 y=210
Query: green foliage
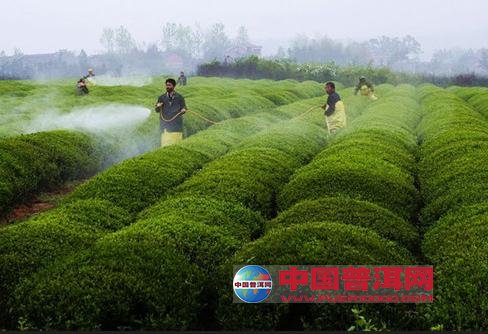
x=28 y=246
x=363 y=324
x=149 y=243
x=373 y=160
x=452 y=168
x=157 y=273
x=137 y=182
x=457 y=246
x=298 y=139
x=349 y=211
x=125 y=282
x=258 y=68
x=479 y=100
x=41 y=161
x=452 y=173
x=250 y=177
x=134 y=185
x=316 y=243
x=239 y=221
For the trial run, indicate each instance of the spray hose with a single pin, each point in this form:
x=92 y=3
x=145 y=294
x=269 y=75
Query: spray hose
x=182 y=112
x=213 y=122
x=307 y=111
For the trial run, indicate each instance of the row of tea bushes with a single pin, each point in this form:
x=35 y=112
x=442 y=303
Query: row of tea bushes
x=129 y=186
x=45 y=160
x=453 y=173
x=340 y=210
x=373 y=160
x=33 y=163
x=162 y=271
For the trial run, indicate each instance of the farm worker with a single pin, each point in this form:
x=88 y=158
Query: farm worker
x=335 y=113
x=81 y=87
x=182 y=79
x=171 y=106
x=366 y=88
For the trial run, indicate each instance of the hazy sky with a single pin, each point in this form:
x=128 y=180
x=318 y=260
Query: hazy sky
x=38 y=26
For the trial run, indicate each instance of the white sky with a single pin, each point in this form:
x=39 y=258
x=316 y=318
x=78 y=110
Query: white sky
x=38 y=26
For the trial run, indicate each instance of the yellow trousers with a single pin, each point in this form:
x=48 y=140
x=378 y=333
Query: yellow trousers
x=366 y=91
x=170 y=138
x=337 y=120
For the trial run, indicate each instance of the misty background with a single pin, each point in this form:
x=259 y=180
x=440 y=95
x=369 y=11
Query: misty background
x=53 y=38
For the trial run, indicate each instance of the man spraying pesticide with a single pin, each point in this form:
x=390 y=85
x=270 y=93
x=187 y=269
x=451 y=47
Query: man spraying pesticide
x=335 y=113
x=171 y=106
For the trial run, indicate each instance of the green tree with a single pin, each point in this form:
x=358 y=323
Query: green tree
x=108 y=40
x=183 y=40
x=483 y=62
x=124 y=41
x=216 y=42
x=388 y=51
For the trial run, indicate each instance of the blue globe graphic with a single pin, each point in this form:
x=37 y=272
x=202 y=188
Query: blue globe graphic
x=252 y=284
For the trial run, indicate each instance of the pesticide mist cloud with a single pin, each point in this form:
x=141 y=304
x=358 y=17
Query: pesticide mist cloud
x=115 y=124
x=135 y=81
x=106 y=118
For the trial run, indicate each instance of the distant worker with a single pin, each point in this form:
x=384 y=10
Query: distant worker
x=171 y=106
x=366 y=88
x=335 y=113
x=182 y=79
x=81 y=87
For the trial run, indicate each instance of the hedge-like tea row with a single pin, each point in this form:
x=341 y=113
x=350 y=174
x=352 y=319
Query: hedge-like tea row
x=253 y=173
x=205 y=223
x=453 y=173
x=466 y=92
x=325 y=243
x=457 y=246
x=374 y=160
x=35 y=162
x=453 y=165
x=236 y=98
x=477 y=97
x=480 y=102
x=138 y=182
x=30 y=245
x=349 y=211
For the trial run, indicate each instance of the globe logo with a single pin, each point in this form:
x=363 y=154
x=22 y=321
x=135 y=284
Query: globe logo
x=252 y=284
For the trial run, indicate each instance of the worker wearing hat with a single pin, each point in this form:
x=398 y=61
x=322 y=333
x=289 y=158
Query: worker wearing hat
x=366 y=88
x=90 y=76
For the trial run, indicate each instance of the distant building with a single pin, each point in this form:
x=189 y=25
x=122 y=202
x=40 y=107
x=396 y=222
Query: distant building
x=49 y=65
x=173 y=61
x=243 y=51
